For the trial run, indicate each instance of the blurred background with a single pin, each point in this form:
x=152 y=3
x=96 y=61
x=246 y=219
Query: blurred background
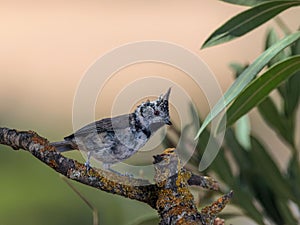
x=45 y=49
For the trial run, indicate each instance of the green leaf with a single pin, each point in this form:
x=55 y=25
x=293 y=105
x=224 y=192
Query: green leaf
x=252 y=178
x=245 y=78
x=220 y=164
x=244 y=200
x=242 y=132
x=247 y=2
x=237 y=68
x=293 y=175
x=272 y=117
x=261 y=87
x=265 y=195
x=194 y=114
x=239 y=154
x=242 y=129
x=286 y=213
x=247 y=21
x=292 y=93
x=269 y=170
x=293 y=86
x=272 y=38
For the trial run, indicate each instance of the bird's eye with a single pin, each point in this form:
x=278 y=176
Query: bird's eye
x=156 y=113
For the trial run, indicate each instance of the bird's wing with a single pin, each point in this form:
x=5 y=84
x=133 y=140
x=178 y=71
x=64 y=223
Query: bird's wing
x=107 y=124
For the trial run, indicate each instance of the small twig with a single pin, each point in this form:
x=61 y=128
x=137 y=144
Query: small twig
x=94 y=209
x=210 y=212
x=204 y=181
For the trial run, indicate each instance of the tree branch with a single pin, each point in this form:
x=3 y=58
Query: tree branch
x=170 y=194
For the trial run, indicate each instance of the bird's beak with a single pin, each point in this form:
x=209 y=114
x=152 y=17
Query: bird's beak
x=168 y=122
x=166 y=96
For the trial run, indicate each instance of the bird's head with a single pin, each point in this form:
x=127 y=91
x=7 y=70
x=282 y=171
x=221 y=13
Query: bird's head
x=155 y=113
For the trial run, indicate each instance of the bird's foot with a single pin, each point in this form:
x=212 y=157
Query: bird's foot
x=108 y=168
x=126 y=174
x=87 y=163
x=88 y=166
x=130 y=175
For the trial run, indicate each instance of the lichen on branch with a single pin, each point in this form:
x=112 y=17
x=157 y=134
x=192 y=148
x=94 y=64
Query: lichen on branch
x=170 y=195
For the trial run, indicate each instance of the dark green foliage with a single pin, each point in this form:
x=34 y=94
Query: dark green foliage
x=245 y=78
x=257 y=176
x=247 y=21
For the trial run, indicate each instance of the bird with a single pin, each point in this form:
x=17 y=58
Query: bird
x=112 y=140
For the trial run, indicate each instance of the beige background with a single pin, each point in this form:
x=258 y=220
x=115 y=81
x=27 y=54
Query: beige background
x=47 y=46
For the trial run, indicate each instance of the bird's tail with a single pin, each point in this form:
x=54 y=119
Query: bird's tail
x=63 y=146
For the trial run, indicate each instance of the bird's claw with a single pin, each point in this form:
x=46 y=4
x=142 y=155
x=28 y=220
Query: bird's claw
x=88 y=166
x=126 y=174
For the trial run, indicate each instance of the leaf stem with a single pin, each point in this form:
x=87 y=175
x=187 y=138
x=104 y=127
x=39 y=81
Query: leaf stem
x=282 y=25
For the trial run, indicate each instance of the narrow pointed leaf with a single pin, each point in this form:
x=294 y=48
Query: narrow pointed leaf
x=238 y=152
x=272 y=38
x=193 y=112
x=248 y=74
x=274 y=119
x=286 y=213
x=222 y=167
x=293 y=86
x=246 y=2
x=244 y=200
x=247 y=21
x=265 y=196
x=220 y=164
x=242 y=132
x=293 y=176
x=268 y=169
x=293 y=93
x=237 y=68
x=261 y=87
